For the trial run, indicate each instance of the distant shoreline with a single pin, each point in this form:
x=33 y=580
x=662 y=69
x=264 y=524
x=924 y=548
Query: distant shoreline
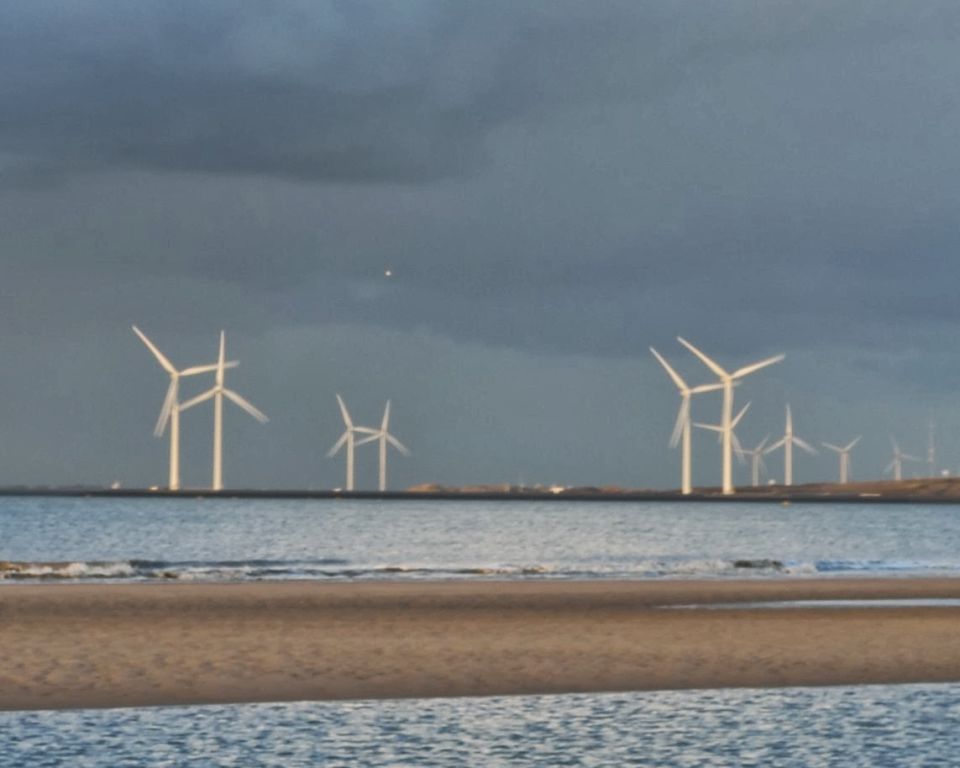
x=932 y=491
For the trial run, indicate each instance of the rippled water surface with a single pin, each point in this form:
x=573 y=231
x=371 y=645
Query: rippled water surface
x=865 y=726
x=238 y=539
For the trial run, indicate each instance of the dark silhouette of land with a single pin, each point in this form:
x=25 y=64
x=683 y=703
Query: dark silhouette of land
x=925 y=490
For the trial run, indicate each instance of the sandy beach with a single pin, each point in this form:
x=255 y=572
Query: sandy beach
x=108 y=645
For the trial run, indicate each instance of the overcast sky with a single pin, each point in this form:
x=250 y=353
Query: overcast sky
x=553 y=186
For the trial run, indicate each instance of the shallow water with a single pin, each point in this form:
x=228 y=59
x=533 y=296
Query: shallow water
x=861 y=726
x=216 y=539
x=148 y=539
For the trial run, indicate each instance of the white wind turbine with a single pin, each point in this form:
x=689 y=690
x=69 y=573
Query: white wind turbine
x=787 y=442
x=896 y=465
x=217 y=393
x=348 y=439
x=170 y=411
x=726 y=418
x=734 y=442
x=383 y=436
x=844 y=454
x=756 y=461
x=681 y=429
x=931 y=450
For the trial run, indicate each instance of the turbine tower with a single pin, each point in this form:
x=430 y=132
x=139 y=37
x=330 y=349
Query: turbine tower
x=896 y=465
x=383 y=436
x=844 y=454
x=681 y=429
x=170 y=411
x=727 y=381
x=218 y=392
x=348 y=439
x=787 y=442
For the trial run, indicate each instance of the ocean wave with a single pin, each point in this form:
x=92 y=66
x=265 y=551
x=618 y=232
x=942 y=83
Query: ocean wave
x=342 y=569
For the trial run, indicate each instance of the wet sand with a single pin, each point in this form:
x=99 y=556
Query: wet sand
x=108 y=645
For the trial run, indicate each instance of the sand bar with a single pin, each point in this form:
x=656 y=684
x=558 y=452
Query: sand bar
x=106 y=645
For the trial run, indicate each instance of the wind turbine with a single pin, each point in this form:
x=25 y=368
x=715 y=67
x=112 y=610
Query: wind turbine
x=931 y=451
x=681 y=429
x=218 y=392
x=348 y=439
x=170 y=411
x=735 y=443
x=896 y=465
x=787 y=442
x=726 y=418
x=844 y=454
x=384 y=437
x=756 y=461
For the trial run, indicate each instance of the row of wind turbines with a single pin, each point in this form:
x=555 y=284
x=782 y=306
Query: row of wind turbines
x=726 y=383
x=172 y=408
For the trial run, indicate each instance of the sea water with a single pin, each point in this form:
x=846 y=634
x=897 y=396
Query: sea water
x=77 y=540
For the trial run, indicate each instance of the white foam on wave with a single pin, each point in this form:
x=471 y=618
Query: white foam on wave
x=261 y=570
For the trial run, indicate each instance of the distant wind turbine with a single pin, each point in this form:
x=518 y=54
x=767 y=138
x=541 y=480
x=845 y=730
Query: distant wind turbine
x=787 y=442
x=896 y=465
x=727 y=381
x=718 y=428
x=844 y=454
x=170 y=411
x=931 y=451
x=756 y=461
x=217 y=393
x=681 y=429
x=348 y=439
x=383 y=436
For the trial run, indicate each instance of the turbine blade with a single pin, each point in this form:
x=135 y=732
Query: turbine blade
x=198 y=399
x=370 y=439
x=366 y=431
x=737 y=448
x=804 y=445
x=704 y=359
x=681 y=384
x=711 y=427
x=760 y=445
x=398 y=445
x=908 y=457
x=753 y=368
x=345 y=413
x=246 y=405
x=701 y=388
x=168 y=406
x=198 y=369
x=161 y=358
x=896 y=448
x=386 y=417
x=890 y=467
x=850 y=446
x=833 y=447
x=739 y=415
x=338 y=445
x=221 y=358
x=683 y=414
x=777 y=445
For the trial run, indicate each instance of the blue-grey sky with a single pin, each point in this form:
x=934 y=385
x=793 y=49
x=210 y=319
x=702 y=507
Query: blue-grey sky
x=554 y=188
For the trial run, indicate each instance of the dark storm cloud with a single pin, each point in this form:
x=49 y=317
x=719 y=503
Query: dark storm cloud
x=336 y=91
